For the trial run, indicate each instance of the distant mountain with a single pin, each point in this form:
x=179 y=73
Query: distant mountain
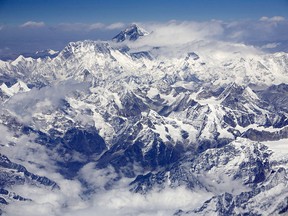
x=153 y=118
x=35 y=55
x=42 y=54
x=131 y=33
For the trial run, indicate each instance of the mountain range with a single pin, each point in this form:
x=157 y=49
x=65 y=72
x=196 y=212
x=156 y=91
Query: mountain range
x=153 y=117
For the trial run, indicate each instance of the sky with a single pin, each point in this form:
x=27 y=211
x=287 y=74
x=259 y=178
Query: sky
x=31 y=25
x=109 y=11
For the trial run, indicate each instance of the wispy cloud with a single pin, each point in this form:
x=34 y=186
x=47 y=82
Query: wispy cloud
x=90 y=27
x=219 y=38
x=25 y=105
x=32 y=24
x=177 y=33
x=117 y=25
x=270 y=45
x=96 y=26
x=272 y=19
x=121 y=202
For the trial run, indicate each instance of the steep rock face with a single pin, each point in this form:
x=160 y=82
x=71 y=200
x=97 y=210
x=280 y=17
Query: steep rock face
x=12 y=174
x=241 y=161
x=84 y=141
x=7 y=196
x=253 y=134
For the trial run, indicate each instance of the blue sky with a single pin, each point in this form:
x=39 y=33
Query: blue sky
x=29 y=25
x=109 y=11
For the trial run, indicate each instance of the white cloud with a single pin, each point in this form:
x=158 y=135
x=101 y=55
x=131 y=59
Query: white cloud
x=270 y=45
x=208 y=39
x=46 y=99
x=122 y=202
x=32 y=24
x=90 y=27
x=272 y=19
x=115 y=202
x=249 y=32
x=173 y=32
x=97 y=178
x=117 y=25
x=96 y=26
x=46 y=202
x=118 y=201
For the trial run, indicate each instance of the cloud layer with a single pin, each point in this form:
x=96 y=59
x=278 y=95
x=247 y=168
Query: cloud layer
x=32 y=24
x=89 y=27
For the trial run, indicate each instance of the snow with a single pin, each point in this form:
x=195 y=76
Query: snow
x=115 y=74
x=18 y=60
x=52 y=52
x=160 y=129
x=257 y=127
x=280 y=150
x=152 y=92
x=16 y=88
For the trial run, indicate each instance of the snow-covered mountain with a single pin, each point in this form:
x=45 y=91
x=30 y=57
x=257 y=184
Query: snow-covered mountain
x=152 y=117
x=132 y=33
x=35 y=55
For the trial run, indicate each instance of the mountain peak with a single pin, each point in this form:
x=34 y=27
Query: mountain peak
x=132 y=33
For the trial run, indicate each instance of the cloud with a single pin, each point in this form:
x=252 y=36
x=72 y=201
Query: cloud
x=32 y=24
x=267 y=30
x=46 y=99
x=46 y=202
x=90 y=27
x=253 y=33
x=96 y=26
x=208 y=39
x=97 y=178
x=115 y=202
x=73 y=199
x=272 y=19
x=173 y=32
x=270 y=45
x=117 y=25
x=120 y=202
